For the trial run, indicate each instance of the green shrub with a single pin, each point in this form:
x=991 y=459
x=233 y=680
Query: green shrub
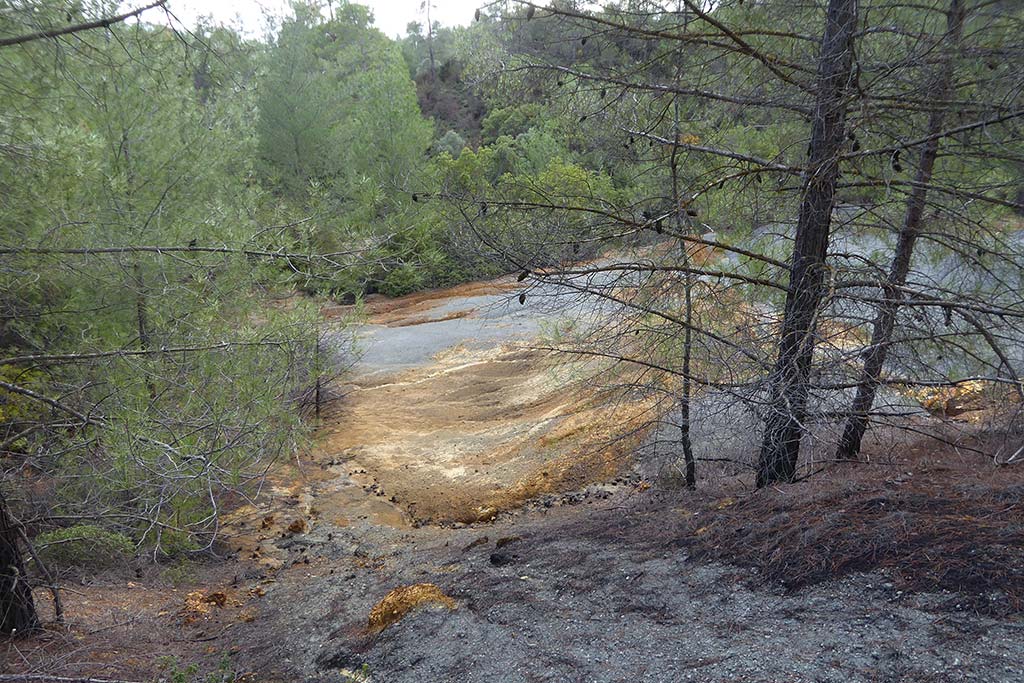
x=175 y=671
x=403 y=280
x=174 y=542
x=180 y=573
x=83 y=545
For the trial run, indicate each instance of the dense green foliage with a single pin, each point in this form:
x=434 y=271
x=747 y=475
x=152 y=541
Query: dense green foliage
x=164 y=378
x=83 y=545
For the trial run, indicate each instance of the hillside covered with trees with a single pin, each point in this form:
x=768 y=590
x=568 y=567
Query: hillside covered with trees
x=714 y=294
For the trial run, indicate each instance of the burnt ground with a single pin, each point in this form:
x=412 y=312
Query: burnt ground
x=471 y=473
x=620 y=586
x=598 y=587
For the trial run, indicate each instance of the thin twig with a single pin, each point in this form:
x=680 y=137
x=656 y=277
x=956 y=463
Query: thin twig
x=105 y=22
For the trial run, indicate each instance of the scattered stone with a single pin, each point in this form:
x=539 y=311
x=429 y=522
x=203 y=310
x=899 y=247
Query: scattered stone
x=485 y=514
x=501 y=559
x=218 y=598
x=483 y=540
x=502 y=542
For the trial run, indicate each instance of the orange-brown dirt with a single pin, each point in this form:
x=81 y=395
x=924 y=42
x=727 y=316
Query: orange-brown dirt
x=476 y=434
x=404 y=310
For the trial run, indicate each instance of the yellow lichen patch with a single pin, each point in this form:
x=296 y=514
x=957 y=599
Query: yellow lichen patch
x=403 y=600
x=482 y=513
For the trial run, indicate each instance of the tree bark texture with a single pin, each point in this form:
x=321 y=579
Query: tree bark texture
x=789 y=380
x=17 y=607
x=885 y=318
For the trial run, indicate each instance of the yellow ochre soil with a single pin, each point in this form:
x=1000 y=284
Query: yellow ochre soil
x=477 y=433
x=472 y=434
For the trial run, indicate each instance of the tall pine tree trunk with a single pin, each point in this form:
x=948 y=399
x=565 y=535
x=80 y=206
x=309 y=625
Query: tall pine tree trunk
x=681 y=224
x=790 y=377
x=17 y=608
x=885 y=319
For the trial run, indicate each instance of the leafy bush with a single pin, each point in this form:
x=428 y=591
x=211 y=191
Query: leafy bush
x=173 y=542
x=83 y=545
x=175 y=671
x=403 y=280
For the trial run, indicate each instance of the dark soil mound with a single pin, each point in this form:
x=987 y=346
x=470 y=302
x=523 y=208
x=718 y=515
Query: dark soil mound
x=957 y=527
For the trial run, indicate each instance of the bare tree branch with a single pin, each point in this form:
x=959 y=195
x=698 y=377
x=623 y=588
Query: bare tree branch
x=105 y=22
